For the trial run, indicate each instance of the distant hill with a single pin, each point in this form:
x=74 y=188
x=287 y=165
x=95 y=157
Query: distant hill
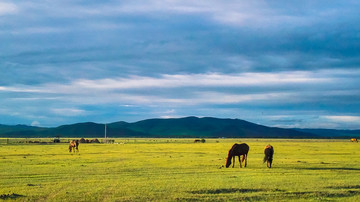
x=20 y=131
x=177 y=127
x=206 y=127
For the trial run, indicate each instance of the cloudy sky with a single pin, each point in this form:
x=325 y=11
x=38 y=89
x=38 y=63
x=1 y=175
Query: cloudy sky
x=276 y=63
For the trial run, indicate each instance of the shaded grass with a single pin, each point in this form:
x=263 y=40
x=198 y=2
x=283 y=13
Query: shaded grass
x=10 y=196
x=345 y=187
x=225 y=191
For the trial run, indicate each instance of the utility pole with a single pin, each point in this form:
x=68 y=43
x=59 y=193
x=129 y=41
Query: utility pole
x=105 y=131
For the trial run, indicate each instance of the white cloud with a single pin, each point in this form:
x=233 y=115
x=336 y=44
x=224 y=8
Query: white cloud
x=201 y=80
x=229 y=12
x=87 y=86
x=35 y=123
x=69 y=111
x=8 y=8
x=170 y=111
x=40 y=30
x=343 y=118
x=168 y=117
x=229 y=98
x=21 y=89
x=204 y=89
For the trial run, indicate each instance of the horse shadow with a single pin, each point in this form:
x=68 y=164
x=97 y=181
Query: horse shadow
x=226 y=191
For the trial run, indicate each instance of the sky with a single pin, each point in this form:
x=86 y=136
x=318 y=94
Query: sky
x=276 y=63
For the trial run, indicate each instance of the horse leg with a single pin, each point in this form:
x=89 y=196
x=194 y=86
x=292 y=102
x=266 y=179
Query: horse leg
x=240 y=162
x=233 y=161
x=245 y=156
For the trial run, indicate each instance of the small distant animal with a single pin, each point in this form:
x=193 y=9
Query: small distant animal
x=72 y=145
x=237 y=150
x=354 y=140
x=269 y=152
x=56 y=139
x=198 y=140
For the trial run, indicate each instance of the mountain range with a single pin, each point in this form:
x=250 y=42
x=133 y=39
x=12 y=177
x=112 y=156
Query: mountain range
x=189 y=127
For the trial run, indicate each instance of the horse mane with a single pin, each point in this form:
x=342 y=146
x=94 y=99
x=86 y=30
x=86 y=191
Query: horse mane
x=231 y=151
x=228 y=159
x=268 y=147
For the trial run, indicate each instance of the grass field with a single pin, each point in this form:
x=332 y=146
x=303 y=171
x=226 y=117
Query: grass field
x=178 y=169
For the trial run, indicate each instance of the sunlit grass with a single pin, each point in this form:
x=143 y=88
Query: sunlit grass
x=178 y=169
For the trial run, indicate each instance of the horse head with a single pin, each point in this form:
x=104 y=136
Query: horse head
x=228 y=162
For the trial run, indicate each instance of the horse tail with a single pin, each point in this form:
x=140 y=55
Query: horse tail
x=266 y=158
x=244 y=156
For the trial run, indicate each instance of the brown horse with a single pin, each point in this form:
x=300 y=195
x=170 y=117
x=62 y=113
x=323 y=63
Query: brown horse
x=269 y=152
x=354 y=140
x=73 y=145
x=237 y=150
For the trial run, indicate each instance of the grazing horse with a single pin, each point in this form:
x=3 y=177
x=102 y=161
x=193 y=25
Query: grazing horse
x=72 y=145
x=354 y=140
x=237 y=150
x=269 y=152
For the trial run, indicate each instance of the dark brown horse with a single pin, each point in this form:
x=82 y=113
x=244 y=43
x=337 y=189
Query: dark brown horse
x=269 y=152
x=77 y=142
x=237 y=150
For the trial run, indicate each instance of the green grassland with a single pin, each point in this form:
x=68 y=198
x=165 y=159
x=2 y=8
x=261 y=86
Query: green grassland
x=178 y=169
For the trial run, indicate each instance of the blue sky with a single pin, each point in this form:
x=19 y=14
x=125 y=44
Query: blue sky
x=276 y=63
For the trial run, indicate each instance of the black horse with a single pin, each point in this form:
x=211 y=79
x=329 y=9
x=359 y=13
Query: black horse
x=269 y=152
x=77 y=142
x=237 y=150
